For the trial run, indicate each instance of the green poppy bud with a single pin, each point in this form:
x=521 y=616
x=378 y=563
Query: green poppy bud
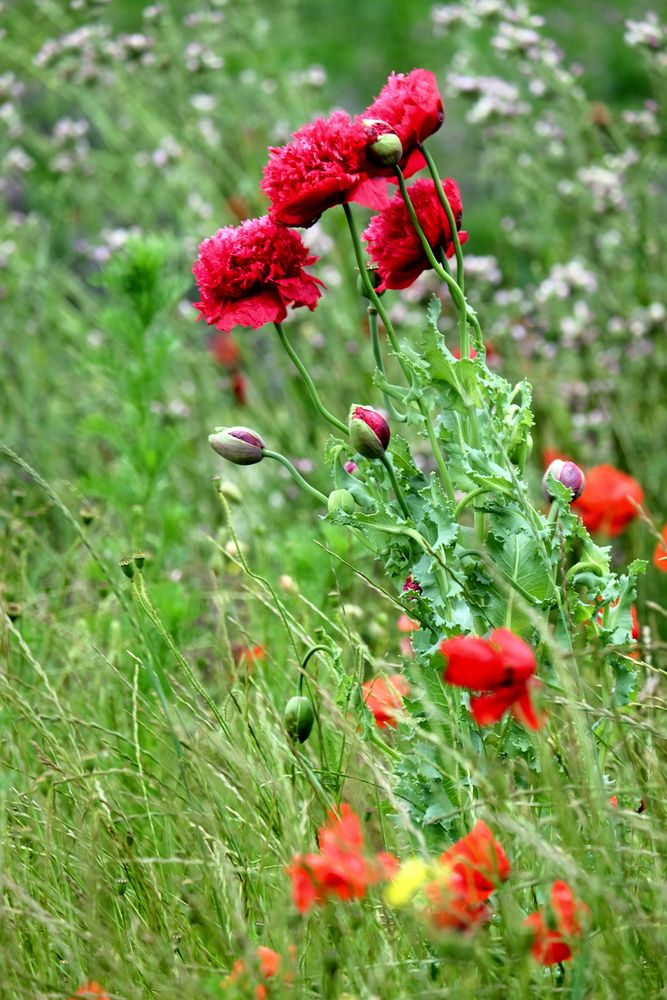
x=384 y=148
x=299 y=718
x=341 y=500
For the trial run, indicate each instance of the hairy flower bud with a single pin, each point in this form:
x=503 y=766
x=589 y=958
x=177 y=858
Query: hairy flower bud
x=384 y=148
x=568 y=474
x=299 y=718
x=341 y=500
x=239 y=445
x=369 y=431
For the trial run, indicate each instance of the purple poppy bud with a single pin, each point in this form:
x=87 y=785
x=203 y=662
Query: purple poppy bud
x=568 y=474
x=239 y=445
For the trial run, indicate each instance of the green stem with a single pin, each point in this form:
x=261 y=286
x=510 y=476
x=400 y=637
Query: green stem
x=371 y=294
x=377 y=354
x=310 y=385
x=462 y=504
x=444 y=201
x=304 y=662
x=437 y=452
x=457 y=294
x=386 y=461
x=295 y=475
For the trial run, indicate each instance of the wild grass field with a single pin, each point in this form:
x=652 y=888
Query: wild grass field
x=468 y=798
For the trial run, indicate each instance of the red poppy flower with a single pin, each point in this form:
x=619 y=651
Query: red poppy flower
x=411 y=586
x=609 y=500
x=393 y=242
x=225 y=350
x=249 y=275
x=325 y=164
x=240 y=389
x=91 y=989
x=411 y=104
x=269 y=965
x=384 y=698
x=660 y=552
x=479 y=860
x=341 y=868
x=450 y=907
x=472 y=868
x=554 y=930
x=502 y=667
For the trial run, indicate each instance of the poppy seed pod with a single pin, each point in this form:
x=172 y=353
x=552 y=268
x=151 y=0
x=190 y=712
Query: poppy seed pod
x=341 y=500
x=299 y=718
x=384 y=148
x=568 y=474
x=369 y=431
x=239 y=445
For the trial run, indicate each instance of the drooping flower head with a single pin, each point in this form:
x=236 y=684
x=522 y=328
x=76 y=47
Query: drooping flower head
x=341 y=869
x=501 y=667
x=555 y=929
x=609 y=500
x=325 y=164
x=393 y=242
x=384 y=698
x=411 y=104
x=249 y=275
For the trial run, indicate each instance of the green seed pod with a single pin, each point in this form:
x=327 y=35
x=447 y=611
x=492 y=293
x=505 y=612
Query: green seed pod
x=341 y=500
x=299 y=718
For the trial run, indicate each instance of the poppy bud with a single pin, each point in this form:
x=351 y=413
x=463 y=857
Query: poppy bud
x=568 y=474
x=384 y=148
x=369 y=431
x=350 y=467
x=239 y=445
x=299 y=718
x=341 y=500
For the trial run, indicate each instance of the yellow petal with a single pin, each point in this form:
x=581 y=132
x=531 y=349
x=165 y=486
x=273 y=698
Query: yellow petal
x=410 y=877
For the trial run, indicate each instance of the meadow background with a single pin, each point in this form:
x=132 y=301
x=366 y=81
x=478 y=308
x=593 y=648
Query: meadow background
x=149 y=796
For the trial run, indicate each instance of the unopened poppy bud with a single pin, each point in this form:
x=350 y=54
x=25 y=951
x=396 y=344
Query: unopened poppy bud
x=369 y=431
x=384 y=148
x=341 y=500
x=568 y=474
x=350 y=467
x=239 y=445
x=299 y=718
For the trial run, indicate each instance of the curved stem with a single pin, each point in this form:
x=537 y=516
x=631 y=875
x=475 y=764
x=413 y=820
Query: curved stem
x=304 y=662
x=297 y=477
x=310 y=385
x=457 y=294
x=386 y=461
x=444 y=201
x=462 y=504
